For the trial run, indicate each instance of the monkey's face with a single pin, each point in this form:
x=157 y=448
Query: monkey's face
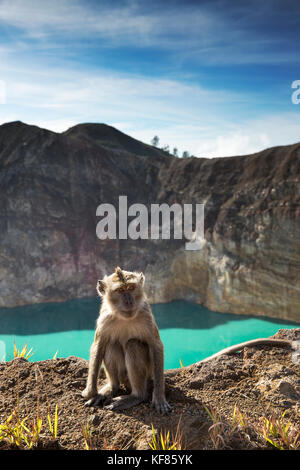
x=124 y=295
x=126 y=298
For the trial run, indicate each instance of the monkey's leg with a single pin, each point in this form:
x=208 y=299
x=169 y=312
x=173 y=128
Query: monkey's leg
x=137 y=364
x=114 y=361
x=158 y=398
x=96 y=357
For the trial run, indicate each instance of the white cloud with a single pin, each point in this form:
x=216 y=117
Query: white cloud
x=233 y=144
x=253 y=136
x=228 y=139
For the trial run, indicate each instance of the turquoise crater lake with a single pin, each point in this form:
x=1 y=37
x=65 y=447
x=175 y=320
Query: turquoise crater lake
x=190 y=332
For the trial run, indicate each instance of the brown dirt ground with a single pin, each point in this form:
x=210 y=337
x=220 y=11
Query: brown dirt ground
x=261 y=381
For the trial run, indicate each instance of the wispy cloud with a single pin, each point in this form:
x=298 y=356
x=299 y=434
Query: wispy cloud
x=43 y=19
x=114 y=96
x=208 y=32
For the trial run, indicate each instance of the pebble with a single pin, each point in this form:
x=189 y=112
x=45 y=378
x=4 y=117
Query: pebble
x=94 y=420
x=286 y=388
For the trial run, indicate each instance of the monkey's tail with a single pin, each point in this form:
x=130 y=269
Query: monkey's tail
x=281 y=343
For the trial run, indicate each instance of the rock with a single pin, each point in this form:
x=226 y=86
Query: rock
x=94 y=420
x=51 y=188
x=285 y=371
x=287 y=389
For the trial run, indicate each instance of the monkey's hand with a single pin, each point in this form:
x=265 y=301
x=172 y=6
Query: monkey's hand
x=161 y=405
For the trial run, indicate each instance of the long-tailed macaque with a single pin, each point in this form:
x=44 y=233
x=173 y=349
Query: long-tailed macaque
x=127 y=341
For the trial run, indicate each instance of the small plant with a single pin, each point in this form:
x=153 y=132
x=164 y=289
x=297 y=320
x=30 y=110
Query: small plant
x=88 y=442
x=238 y=418
x=24 y=352
x=223 y=430
x=53 y=427
x=33 y=431
x=15 y=432
x=165 y=441
x=216 y=429
x=86 y=434
x=279 y=433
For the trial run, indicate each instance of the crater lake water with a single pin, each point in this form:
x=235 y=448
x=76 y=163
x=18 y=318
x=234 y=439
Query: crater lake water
x=190 y=332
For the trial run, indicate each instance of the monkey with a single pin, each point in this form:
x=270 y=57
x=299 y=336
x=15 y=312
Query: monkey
x=128 y=343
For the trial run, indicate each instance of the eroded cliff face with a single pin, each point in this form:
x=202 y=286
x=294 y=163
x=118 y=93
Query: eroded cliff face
x=251 y=260
x=51 y=185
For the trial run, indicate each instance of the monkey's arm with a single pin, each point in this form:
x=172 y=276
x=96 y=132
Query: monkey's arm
x=96 y=357
x=158 y=399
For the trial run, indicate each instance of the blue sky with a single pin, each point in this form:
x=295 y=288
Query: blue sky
x=211 y=77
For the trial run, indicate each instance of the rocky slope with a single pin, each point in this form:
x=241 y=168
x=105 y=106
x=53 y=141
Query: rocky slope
x=51 y=185
x=225 y=403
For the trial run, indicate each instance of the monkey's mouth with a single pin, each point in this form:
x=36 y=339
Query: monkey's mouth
x=128 y=302
x=128 y=312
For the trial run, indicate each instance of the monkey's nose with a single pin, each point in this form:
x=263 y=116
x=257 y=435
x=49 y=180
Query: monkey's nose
x=128 y=300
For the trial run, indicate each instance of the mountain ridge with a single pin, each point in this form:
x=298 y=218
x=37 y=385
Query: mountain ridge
x=79 y=131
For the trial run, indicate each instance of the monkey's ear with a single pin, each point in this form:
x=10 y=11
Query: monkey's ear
x=101 y=287
x=142 y=279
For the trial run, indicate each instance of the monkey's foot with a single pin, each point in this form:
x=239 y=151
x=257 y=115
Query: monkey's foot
x=124 y=402
x=96 y=400
x=87 y=393
x=162 y=406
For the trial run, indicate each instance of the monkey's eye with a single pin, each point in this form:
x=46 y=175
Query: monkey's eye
x=121 y=289
x=125 y=288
